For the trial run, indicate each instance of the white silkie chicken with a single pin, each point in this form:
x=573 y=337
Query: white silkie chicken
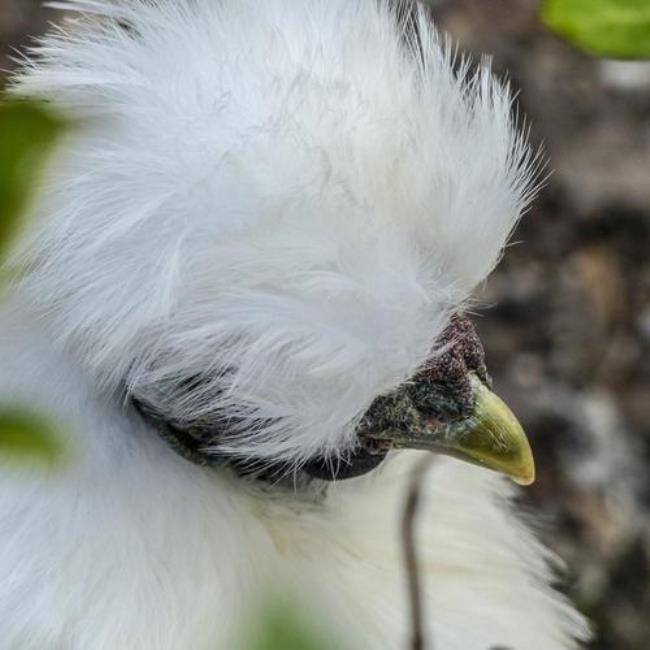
x=245 y=277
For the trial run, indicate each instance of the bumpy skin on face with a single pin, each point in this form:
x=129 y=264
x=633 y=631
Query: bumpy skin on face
x=442 y=388
x=288 y=201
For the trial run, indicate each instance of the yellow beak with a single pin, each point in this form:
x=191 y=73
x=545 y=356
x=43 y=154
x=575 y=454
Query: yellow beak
x=490 y=437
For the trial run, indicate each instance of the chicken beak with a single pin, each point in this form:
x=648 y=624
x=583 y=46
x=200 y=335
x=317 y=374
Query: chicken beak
x=490 y=437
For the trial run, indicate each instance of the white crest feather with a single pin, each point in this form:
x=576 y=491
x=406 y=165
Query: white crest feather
x=287 y=204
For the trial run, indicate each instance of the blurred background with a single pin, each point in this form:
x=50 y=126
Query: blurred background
x=566 y=316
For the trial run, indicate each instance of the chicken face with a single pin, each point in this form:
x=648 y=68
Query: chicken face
x=262 y=247
x=446 y=408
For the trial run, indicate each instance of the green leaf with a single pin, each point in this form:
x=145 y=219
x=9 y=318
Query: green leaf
x=282 y=630
x=612 y=28
x=27 y=133
x=28 y=437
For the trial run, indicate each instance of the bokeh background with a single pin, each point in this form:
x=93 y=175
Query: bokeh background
x=565 y=319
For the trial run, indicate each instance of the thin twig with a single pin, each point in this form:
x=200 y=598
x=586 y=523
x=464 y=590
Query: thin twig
x=409 y=521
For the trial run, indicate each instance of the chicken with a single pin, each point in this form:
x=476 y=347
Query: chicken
x=243 y=299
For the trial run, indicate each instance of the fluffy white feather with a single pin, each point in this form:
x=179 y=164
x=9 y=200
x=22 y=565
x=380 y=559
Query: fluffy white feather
x=281 y=198
x=288 y=200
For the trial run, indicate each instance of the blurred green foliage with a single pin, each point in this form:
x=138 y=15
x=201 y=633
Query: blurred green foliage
x=283 y=629
x=26 y=437
x=27 y=134
x=611 y=28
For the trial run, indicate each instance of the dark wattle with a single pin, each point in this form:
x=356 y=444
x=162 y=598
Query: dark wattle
x=360 y=462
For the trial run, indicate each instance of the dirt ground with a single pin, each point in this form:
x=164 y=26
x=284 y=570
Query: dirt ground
x=568 y=337
x=566 y=318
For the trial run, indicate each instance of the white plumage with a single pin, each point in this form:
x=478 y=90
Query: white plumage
x=288 y=200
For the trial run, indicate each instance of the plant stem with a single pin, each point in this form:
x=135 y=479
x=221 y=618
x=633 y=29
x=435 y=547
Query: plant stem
x=411 y=561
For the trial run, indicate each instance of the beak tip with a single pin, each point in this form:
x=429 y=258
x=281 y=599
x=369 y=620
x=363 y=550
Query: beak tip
x=525 y=477
x=518 y=463
x=522 y=471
